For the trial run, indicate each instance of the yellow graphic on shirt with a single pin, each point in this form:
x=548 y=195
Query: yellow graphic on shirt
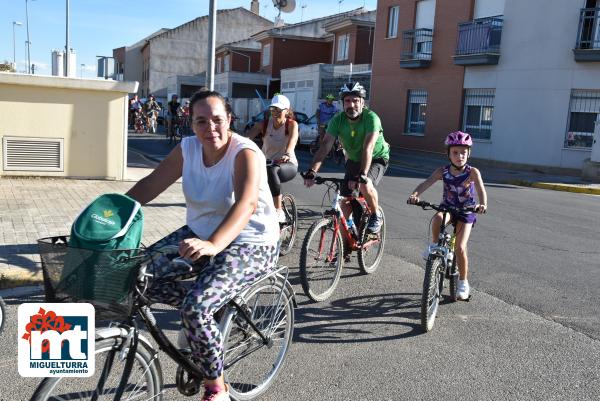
x=108 y=213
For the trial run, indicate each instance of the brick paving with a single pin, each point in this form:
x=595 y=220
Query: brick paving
x=32 y=208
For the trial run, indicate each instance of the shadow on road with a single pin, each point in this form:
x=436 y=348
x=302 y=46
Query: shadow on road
x=359 y=319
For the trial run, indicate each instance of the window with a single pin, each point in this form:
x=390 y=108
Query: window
x=584 y=111
x=226 y=63
x=393 y=14
x=478 y=113
x=342 y=50
x=218 y=68
x=266 y=54
x=416 y=111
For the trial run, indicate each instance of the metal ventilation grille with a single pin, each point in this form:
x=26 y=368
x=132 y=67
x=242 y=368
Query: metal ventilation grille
x=32 y=154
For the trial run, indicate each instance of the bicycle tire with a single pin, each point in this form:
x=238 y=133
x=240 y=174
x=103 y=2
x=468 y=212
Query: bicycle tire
x=453 y=281
x=365 y=255
x=72 y=388
x=320 y=287
x=250 y=366
x=289 y=229
x=430 y=298
x=2 y=314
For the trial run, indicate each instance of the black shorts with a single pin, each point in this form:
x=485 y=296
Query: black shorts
x=375 y=173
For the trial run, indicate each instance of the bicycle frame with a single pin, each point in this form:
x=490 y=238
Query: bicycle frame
x=134 y=336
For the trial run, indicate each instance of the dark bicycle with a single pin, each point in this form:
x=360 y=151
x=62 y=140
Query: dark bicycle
x=2 y=314
x=324 y=248
x=441 y=264
x=257 y=327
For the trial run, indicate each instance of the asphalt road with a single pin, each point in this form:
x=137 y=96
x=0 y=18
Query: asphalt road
x=530 y=331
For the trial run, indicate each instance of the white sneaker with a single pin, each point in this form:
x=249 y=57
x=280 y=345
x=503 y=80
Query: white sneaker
x=281 y=216
x=425 y=253
x=463 y=290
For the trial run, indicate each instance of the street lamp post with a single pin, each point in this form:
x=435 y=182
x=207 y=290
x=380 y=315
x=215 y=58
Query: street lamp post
x=28 y=41
x=15 y=23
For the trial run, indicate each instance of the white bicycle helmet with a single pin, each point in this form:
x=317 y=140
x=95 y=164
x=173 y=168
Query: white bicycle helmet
x=352 y=88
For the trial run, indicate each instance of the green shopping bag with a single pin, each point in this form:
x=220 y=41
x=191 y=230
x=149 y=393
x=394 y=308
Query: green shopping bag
x=100 y=265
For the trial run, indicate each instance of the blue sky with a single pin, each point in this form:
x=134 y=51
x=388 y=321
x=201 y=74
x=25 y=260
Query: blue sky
x=98 y=26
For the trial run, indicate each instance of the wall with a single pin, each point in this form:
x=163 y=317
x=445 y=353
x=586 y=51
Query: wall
x=289 y=53
x=442 y=79
x=90 y=115
x=533 y=82
x=365 y=37
x=182 y=50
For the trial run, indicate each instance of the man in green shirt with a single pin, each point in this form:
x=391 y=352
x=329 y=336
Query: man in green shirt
x=361 y=135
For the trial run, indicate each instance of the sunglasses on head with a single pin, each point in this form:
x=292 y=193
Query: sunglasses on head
x=276 y=109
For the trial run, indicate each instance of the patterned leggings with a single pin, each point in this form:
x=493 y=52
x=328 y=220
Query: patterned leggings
x=217 y=282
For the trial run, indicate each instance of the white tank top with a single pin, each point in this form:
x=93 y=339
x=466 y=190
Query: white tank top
x=275 y=142
x=209 y=193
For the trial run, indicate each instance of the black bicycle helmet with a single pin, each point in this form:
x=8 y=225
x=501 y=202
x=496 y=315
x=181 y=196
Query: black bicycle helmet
x=352 y=88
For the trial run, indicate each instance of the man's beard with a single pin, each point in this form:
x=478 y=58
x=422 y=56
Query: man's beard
x=352 y=114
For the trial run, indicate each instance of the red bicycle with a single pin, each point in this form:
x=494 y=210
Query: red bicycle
x=332 y=238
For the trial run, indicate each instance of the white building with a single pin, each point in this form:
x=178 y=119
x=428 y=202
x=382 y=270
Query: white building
x=540 y=105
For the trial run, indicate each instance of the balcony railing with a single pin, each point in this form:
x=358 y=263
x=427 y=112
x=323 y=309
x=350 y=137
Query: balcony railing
x=416 y=48
x=478 y=41
x=587 y=47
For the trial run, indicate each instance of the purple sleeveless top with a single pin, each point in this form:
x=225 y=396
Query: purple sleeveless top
x=458 y=191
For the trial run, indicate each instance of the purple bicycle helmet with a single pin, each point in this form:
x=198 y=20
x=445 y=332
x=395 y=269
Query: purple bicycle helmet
x=458 y=138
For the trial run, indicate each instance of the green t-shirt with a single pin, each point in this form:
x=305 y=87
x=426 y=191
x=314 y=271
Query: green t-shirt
x=352 y=135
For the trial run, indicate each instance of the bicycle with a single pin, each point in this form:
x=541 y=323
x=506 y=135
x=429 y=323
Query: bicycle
x=257 y=327
x=289 y=229
x=440 y=265
x=323 y=251
x=2 y=314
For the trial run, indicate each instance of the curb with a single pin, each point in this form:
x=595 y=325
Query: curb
x=556 y=187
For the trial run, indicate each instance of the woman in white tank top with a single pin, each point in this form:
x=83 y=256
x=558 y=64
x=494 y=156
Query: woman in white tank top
x=230 y=215
x=279 y=134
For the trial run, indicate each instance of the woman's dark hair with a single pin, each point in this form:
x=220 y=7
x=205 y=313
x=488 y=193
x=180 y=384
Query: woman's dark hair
x=204 y=94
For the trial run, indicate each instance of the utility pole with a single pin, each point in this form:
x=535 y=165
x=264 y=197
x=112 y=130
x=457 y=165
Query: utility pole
x=28 y=41
x=212 y=32
x=67 y=50
x=15 y=23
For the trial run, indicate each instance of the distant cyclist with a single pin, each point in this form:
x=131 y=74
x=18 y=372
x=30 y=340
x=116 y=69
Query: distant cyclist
x=460 y=183
x=151 y=108
x=325 y=112
x=361 y=134
x=172 y=114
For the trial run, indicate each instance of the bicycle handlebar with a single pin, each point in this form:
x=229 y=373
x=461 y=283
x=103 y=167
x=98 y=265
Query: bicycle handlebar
x=445 y=208
x=322 y=180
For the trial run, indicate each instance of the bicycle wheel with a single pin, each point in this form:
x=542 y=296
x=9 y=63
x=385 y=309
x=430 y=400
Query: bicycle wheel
x=288 y=229
x=321 y=260
x=250 y=365
x=145 y=379
x=430 y=299
x=453 y=278
x=2 y=314
x=371 y=250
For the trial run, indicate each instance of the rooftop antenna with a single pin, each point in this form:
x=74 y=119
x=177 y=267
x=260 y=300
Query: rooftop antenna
x=286 y=6
x=340 y=5
x=302 y=13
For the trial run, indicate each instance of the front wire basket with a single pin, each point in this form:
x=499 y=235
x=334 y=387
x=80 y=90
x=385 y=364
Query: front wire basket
x=104 y=278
